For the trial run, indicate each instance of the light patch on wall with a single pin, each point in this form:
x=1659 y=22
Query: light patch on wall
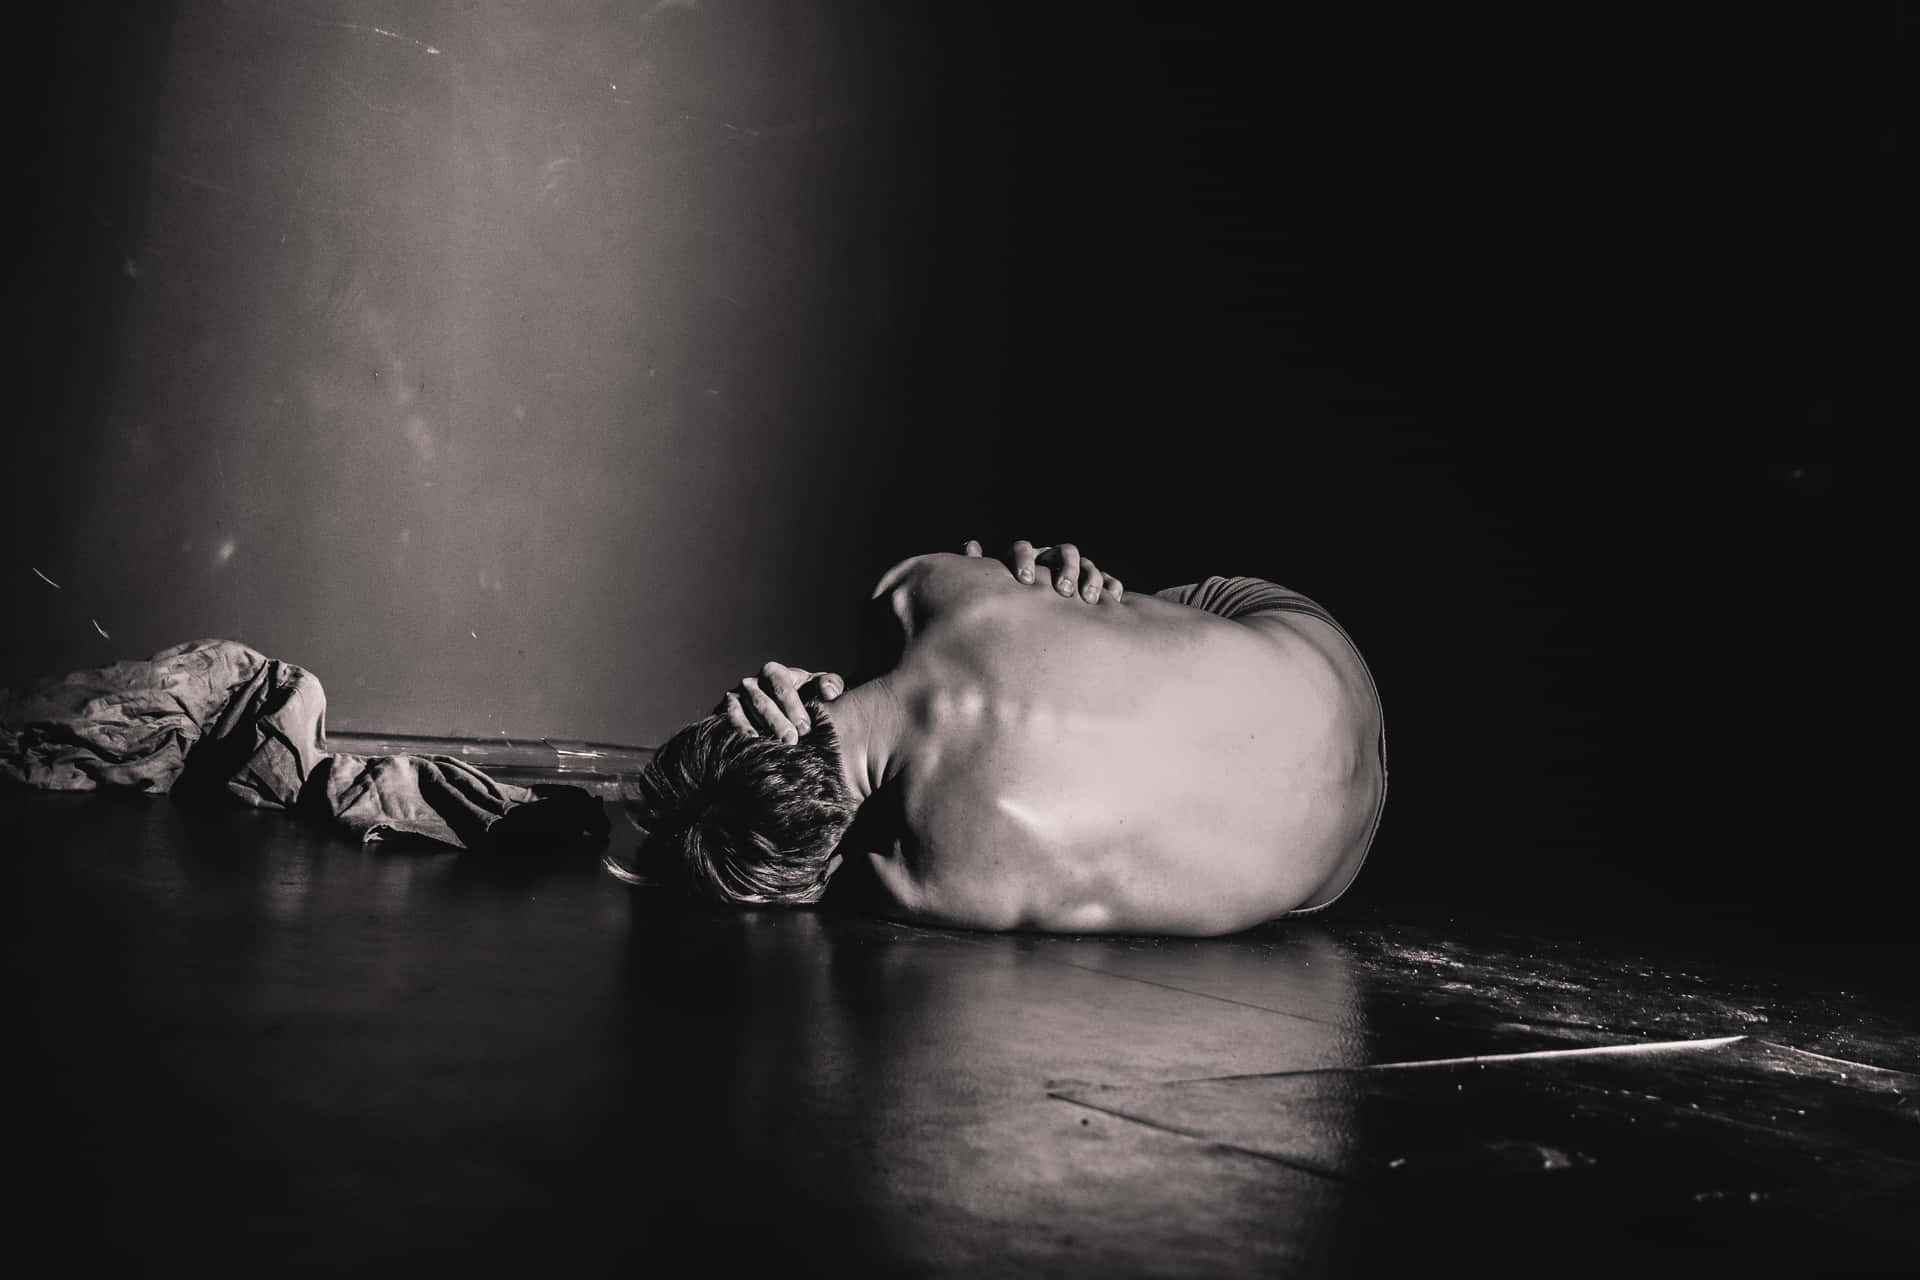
x=224 y=552
x=406 y=536
x=419 y=437
x=553 y=176
x=97 y=627
x=402 y=393
x=376 y=330
x=44 y=578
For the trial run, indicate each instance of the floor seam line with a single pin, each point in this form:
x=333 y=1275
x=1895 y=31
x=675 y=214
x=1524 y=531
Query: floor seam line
x=1585 y=1051
x=1266 y=1156
x=1204 y=995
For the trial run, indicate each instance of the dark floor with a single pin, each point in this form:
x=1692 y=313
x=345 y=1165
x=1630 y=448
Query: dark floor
x=242 y=1044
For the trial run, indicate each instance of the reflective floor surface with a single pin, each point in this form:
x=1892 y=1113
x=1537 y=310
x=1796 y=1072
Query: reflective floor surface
x=244 y=1045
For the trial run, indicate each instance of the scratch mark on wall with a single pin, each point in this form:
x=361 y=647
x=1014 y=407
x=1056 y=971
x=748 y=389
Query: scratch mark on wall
x=44 y=578
x=191 y=180
x=382 y=31
x=395 y=35
x=97 y=627
x=349 y=212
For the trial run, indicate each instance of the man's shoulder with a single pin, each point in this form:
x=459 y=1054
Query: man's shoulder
x=941 y=570
x=939 y=583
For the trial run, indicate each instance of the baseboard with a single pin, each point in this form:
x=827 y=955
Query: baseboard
x=594 y=766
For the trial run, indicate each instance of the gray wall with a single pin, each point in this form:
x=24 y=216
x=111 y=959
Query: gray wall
x=545 y=384
x=518 y=368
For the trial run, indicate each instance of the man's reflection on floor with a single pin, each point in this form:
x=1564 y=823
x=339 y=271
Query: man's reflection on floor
x=895 y=1084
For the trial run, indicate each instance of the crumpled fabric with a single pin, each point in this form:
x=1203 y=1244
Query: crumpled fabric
x=214 y=717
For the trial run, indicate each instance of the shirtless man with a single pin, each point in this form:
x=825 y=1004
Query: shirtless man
x=1070 y=759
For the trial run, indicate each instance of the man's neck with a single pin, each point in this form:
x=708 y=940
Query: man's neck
x=868 y=721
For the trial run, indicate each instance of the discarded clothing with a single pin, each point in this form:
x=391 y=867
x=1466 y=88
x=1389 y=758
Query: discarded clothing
x=215 y=717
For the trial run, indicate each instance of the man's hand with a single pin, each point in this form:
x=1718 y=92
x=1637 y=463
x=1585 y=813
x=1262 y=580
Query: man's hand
x=1073 y=573
x=772 y=704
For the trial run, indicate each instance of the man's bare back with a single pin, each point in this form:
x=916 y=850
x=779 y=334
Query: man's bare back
x=1134 y=765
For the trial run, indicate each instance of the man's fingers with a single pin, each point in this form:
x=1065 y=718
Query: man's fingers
x=1073 y=573
x=1020 y=558
x=1090 y=578
x=773 y=717
x=971 y=549
x=773 y=704
x=766 y=714
x=735 y=714
x=1067 y=577
x=783 y=683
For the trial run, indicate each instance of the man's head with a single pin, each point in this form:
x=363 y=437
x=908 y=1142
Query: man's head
x=739 y=818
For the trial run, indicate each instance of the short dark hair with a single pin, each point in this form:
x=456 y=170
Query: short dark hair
x=740 y=818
